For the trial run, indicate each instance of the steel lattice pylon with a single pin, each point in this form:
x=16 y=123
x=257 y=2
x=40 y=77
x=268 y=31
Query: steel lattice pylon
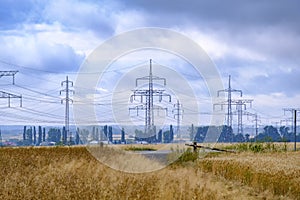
x=148 y=94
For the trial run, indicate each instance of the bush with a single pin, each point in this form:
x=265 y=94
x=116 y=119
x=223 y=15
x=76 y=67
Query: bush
x=187 y=156
x=133 y=148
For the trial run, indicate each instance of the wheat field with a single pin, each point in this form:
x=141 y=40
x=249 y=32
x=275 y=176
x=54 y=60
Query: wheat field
x=72 y=173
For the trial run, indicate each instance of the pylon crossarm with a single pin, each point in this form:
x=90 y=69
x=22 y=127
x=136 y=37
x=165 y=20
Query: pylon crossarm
x=8 y=95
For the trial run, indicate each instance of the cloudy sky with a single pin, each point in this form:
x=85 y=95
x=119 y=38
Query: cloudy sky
x=256 y=42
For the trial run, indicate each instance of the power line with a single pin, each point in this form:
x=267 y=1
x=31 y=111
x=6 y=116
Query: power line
x=37 y=92
x=70 y=72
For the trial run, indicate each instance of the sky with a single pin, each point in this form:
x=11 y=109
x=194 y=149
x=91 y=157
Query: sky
x=256 y=42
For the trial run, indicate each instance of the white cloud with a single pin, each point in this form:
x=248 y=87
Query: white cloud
x=127 y=20
x=219 y=47
x=270 y=106
x=32 y=51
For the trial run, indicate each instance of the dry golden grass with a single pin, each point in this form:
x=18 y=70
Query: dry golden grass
x=277 y=172
x=126 y=161
x=72 y=173
x=167 y=146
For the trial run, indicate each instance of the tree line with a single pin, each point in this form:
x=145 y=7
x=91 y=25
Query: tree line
x=269 y=134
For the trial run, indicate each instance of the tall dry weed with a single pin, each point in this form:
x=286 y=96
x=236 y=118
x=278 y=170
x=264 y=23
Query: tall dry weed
x=277 y=172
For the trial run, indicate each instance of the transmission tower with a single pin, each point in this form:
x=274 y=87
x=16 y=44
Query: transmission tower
x=8 y=95
x=294 y=112
x=241 y=104
x=149 y=106
x=67 y=100
x=256 y=120
x=178 y=115
x=229 y=92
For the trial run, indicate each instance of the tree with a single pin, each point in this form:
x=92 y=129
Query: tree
x=44 y=134
x=239 y=138
x=54 y=135
x=159 y=136
x=138 y=135
x=105 y=131
x=171 y=133
x=84 y=134
x=285 y=134
x=247 y=137
x=24 y=133
x=94 y=136
x=123 y=136
x=166 y=136
x=29 y=136
x=110 y=134
x=227 y=134
x=77 y=138
x=97 y=134
x=201 y=134
x=270 y=134
x=34 y=135
x=64 y=136
x=40 y=135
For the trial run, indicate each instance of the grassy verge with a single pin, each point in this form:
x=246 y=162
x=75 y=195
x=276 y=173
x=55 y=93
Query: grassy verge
x=258 y=147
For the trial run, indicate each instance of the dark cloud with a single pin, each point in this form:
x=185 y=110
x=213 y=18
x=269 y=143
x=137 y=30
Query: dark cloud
x=216 y=13
x=82 y=15
x=267 y=28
